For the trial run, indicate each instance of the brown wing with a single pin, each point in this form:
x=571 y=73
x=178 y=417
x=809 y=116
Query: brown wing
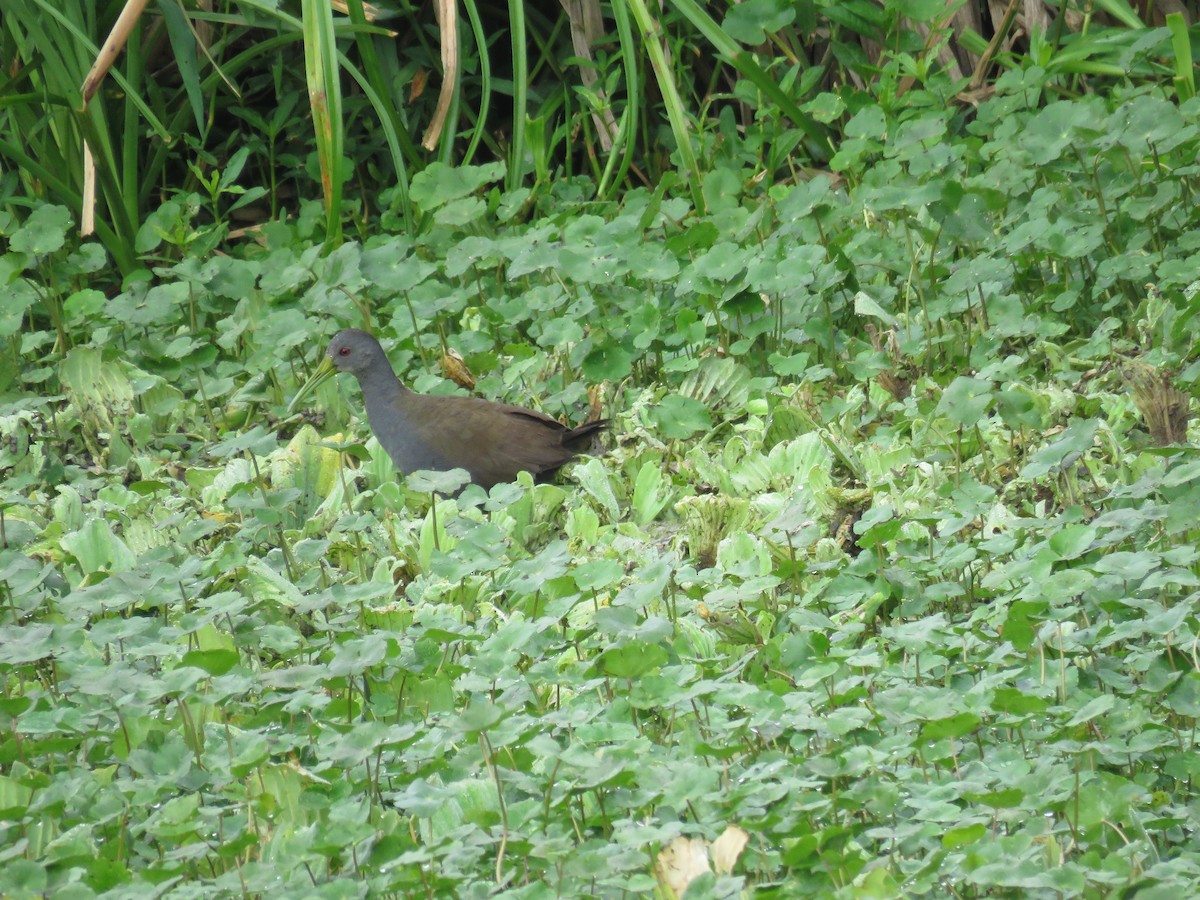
x=493 y=441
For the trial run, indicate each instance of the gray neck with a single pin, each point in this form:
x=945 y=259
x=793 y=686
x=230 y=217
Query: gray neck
x=380 y=388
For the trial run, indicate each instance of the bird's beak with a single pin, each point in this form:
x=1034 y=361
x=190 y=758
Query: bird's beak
x=320 y=375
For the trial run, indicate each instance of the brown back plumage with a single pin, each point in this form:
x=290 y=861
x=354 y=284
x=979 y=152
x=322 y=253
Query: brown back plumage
x=492 y=441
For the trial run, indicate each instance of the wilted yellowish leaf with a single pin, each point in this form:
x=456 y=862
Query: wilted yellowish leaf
x=680 y=863
x=305 y=464
x=733 y=626
x=726 y=849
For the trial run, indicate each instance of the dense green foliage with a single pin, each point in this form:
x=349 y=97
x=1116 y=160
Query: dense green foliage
x=888 y=561
x=205 y=96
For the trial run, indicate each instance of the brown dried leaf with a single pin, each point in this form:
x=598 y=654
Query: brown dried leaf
x=455 y=368
x=370 y=10
x=595 y=402
x=113 y=45
x=447 y=18
x=417 y=88
x=1164 y=408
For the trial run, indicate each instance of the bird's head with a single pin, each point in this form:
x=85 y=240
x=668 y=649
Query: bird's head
x=355 y=351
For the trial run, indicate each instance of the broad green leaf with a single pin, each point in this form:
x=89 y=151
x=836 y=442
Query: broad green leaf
x=631 y=660
x=966 y=401
x=679 y=417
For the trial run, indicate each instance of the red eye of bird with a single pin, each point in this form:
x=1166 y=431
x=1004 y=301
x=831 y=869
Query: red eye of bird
x=343 y=351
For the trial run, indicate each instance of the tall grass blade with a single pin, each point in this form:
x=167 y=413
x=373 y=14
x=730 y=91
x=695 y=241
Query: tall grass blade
x=520 y=66
x=652 y=36
x=1185 y=73
x=750 y=69
x=325 y=100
